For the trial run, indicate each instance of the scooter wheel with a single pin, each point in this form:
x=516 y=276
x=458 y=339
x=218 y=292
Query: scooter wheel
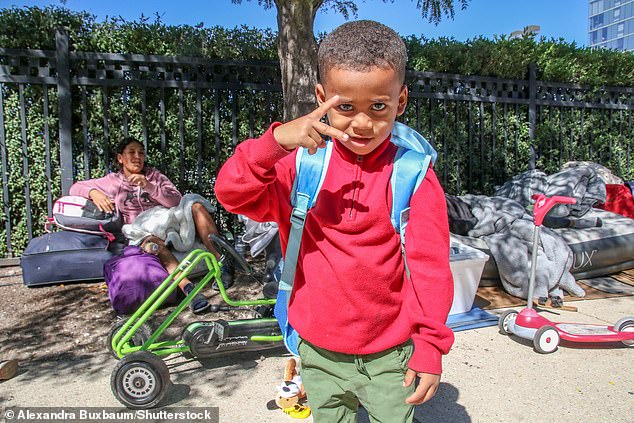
x=140 y=380
x=626 y=324
x=505 y=318
x=546 y=340
x=139 y=338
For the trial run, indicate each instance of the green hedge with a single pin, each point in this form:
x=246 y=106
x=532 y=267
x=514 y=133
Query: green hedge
x=557 y=60
x=462 y=165
x=33 y=27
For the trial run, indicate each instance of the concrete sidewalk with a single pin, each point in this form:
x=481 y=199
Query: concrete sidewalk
x=487 y=378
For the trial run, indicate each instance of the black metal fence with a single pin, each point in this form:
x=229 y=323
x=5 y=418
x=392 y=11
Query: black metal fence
x=61 y=112
x=489 y=129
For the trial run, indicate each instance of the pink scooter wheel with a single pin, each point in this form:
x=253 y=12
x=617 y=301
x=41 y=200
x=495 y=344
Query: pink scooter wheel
x=546 y=340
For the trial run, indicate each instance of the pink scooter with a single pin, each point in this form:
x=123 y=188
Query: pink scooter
x=545 y=334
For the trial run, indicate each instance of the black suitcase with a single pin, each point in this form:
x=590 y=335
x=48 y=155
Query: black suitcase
x=64 y=256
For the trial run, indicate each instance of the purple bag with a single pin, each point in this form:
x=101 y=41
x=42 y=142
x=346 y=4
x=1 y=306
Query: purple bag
x=132 y=277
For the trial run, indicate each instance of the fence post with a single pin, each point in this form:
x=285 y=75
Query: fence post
x=62 y=56
x=532 y=113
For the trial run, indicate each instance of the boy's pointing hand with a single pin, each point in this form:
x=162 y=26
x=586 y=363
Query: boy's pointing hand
x=307 y=130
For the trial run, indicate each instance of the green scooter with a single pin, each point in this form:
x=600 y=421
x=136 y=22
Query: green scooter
x=141 y=378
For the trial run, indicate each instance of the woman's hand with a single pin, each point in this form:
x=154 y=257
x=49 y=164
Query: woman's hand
x=101 y=200
x=138 y=179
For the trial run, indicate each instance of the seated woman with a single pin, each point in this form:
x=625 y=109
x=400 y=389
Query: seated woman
x=136 y=188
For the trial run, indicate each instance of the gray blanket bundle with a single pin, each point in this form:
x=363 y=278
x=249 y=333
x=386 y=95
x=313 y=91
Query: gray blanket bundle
x=507 y=228
x=580 y=182
x=508 y=231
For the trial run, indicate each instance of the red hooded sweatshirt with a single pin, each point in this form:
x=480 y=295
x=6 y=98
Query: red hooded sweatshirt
x=351 y=293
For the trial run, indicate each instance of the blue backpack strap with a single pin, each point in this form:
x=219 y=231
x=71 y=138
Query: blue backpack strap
x=413 y=157
x=410 y=168
x=310 y=173
x=404 y=136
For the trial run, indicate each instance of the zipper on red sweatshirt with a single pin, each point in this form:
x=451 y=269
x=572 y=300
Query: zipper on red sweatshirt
x=357 y=183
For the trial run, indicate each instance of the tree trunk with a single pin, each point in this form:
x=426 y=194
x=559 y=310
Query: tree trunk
x=297 y=51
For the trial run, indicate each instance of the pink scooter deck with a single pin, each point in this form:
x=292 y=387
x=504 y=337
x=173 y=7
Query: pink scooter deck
x=578 y=332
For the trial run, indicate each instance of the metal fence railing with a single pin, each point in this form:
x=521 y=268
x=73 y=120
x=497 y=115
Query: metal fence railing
x=488 y=129
x=61 y=113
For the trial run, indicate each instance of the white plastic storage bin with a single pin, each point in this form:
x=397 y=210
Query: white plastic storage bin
x=466 y=265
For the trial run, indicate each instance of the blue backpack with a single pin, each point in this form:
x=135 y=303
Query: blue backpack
x=411 y=162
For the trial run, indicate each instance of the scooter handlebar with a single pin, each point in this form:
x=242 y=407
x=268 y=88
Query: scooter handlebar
x=543 y=204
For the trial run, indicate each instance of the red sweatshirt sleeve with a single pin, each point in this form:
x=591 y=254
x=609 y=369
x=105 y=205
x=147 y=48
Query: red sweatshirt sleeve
x=253 y=181
x=429 y=292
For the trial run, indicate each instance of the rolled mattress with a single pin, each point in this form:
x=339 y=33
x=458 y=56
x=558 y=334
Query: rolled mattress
x=597 y=251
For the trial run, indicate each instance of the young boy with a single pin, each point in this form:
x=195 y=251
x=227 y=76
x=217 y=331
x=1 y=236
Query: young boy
x=366 y=329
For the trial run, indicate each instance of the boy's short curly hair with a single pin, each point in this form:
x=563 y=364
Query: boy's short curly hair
x=361 y=46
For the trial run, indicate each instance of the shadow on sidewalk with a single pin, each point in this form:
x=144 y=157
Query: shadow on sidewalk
x=443 y=407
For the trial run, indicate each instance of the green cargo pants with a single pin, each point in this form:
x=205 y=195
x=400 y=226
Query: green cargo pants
x=337 y=383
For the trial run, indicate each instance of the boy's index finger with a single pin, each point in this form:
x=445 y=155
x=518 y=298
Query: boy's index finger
x=325 y=129
x=323 y=108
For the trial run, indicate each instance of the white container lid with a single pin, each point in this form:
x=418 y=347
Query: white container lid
x=461 y=252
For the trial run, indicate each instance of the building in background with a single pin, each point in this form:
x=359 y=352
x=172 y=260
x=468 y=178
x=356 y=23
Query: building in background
x=611 y=24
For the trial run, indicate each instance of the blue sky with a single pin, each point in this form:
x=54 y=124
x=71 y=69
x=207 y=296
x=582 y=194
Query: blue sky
x=567 y=19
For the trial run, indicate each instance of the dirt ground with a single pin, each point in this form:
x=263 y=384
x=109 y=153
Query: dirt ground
x=71 y=321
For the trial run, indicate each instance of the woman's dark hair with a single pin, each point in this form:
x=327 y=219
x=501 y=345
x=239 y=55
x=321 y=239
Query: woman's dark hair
x=121 y=146
x=124 y=143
